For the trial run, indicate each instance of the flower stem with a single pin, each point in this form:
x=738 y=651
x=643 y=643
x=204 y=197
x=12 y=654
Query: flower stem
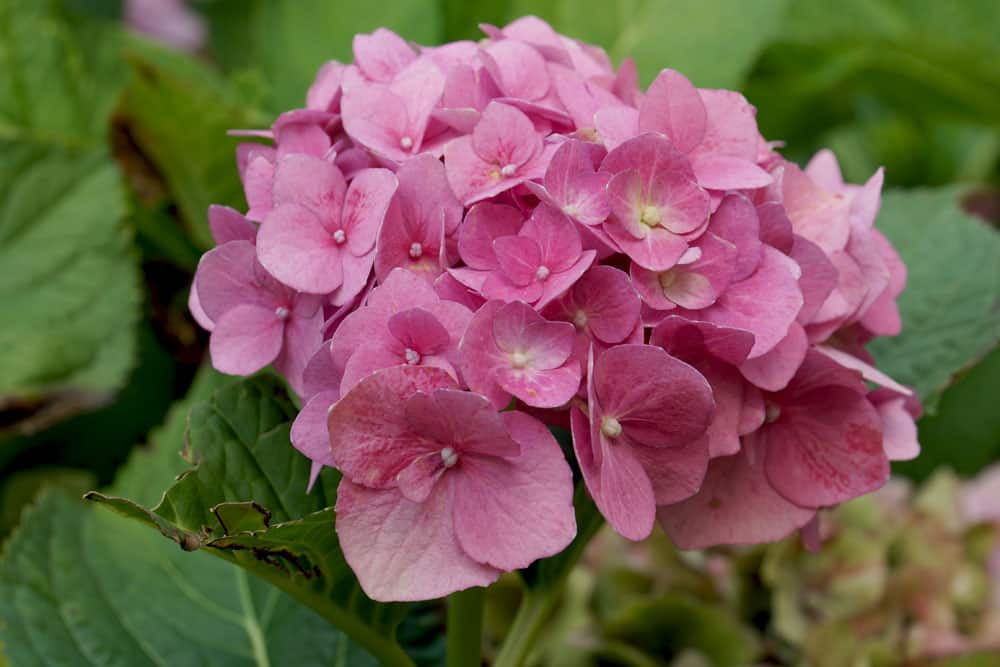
x=531 y=615
x=465 y=627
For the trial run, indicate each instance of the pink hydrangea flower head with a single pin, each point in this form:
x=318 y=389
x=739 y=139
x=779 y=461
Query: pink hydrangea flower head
x=655 y=201
x=511 y=350
x=440 y=492
x=642 y=441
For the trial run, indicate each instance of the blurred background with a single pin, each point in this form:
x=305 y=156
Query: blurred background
x=113 y=119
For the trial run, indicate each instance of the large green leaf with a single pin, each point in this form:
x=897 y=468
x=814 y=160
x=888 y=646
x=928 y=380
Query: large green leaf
x=81 y=587
x=245 y=500
x=178 y=111
x=68 y=282
x=951 y=306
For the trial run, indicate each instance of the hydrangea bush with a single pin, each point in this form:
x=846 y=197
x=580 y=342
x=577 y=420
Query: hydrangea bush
x=452 y=252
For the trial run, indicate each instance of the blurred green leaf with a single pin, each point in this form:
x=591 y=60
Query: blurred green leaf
x=664 y=627
x=80 y=587
x=21 y=488
x=178 y=111
x=68 y=282
x=238 y=443
x=951 y=305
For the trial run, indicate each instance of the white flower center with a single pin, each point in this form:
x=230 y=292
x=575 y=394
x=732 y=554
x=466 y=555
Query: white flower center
x=518 y=359
x=449 y=457
x=416 y=250
x=406 y=143
x=771 y=412
x=542 y=273
x=650 y=216
x=580 y=319
x=611 y=427
x=508 y=170
x=412 y=356
x=340 y=236
x=281 y=313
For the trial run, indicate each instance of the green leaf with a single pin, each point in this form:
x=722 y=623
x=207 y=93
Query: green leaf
x=81 y=587
x=68 y=282
x=951 y=305
x=289 y=40
x=243 y=462
x=670 y=624
x=178 y=111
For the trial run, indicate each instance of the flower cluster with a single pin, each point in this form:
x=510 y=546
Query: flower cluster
x=452 y=248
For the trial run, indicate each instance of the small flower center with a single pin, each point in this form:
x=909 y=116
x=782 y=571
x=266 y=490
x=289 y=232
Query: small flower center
x=449 y=457
x=580 y=319
x=508 y=170
x=340 y=236
x=771 y=412
x=412 y=356
x=650 y=216
x=611 y=427
x=518 y=359
x=406 y=143
x=416 y=250
x=542 y=273
x=282 y=313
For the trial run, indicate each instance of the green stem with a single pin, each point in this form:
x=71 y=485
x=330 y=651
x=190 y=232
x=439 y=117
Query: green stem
x=465 y=627
x=535 y=609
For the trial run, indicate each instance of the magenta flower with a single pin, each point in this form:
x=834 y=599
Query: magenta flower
x=642 y=441
x=256 y=320
x=503 y=150
x=534 y=262
x=511 y=350
x=421 y=218
x=404 y=323
x=655 y=201
x=441 y=492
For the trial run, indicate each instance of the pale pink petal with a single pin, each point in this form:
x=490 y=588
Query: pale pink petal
x=480 y=355
x=616 y=125
x=505 y=137
x=899 y=430
x=227 y=225
x=226 y=278
x=246 y=339
x=365 y=205
x=518 y=259
x=296 y=248
x=541 y=388
x=382 y=54
x=518 y=68
x=311 y=182
x=510 y=512
x=867 y=371
x=303 y=337
x=818 y=280
x=723 y=172
x=518 y=328
x=197 y=312
x=673 y=107
x=401 y=550
x=309 y=434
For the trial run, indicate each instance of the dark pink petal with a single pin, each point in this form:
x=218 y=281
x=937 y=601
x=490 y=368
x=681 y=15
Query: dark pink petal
x=462 y=420
x=691 y=340
x=425 y=194
x=773 y=370
x=558 y=283
x=229 y=225
x=626 y=496
x=572 y=185
x=381 y=55
x=417 y=480
x=673 y=107
x=675 y=473
x=818 y=280
x=603 y=302
x=483 y=224
x=480 y=356
x=401 y=550
x=510 y=512
x=867 y=371
x=735 y=505
x=370 y=436
x=320 y=374
x=659 y=400
x=246 y=339
x=296 y=248
x=775 y=227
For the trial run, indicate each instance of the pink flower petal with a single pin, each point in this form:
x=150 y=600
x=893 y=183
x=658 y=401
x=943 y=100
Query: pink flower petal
x=309 y=434
x=228 y=225
x=365 y=205
x=773 y=370
x=401 y=550
x=382 y=54
x=673 y=107
x=295 y=247
x=483 y=224
x=246 y=339
x=510 y=512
